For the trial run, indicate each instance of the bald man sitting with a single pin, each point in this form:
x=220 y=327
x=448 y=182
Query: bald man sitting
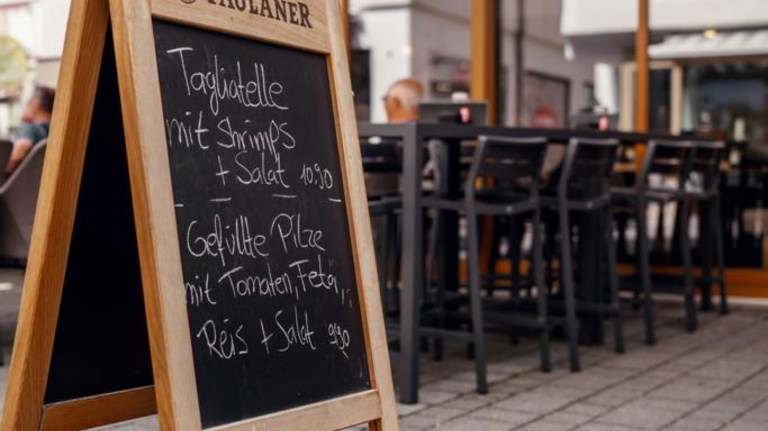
x=402 y=101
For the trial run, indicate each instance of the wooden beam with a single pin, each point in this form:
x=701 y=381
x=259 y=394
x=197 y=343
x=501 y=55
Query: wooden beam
x=484 y=81
x=642 y=79
x=346 y=24
x=99 y=410
x=54 y=220
x=642 y=85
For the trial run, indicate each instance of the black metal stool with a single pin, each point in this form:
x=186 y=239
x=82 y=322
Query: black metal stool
x=584 y=186
x=672 y=159
x=502 y=181
x=704 y=189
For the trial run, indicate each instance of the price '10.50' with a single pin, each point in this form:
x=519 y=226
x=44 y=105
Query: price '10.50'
x=317 y=176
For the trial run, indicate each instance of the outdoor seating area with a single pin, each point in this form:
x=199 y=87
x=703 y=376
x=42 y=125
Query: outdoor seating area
x=561 y=230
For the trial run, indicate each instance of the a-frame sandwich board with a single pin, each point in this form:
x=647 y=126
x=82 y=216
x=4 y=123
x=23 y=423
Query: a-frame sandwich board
x=94 y=146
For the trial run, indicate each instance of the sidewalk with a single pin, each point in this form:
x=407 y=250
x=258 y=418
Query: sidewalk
x=715 y=379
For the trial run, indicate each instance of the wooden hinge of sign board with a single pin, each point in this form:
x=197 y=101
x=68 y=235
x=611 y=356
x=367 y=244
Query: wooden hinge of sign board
x=202 y=245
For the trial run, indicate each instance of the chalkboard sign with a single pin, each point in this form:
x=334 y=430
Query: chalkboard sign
x=202 y=249
x=268 y=269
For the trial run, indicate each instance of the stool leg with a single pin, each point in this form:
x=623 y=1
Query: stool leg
x=690 y=303
x=705 y=247
x=541 y=294
x=572 y=324
x=381 y=259
x=644 y=266
x=720 y=252
x=436 y=260
x=613 y=280
x=478 y=336
x=391 y=277
x=514 y=257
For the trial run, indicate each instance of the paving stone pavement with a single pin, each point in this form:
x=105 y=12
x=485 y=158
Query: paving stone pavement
x=714 y=379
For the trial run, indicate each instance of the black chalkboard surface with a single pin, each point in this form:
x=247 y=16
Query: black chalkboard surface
x=101 y=344
x=266 y=252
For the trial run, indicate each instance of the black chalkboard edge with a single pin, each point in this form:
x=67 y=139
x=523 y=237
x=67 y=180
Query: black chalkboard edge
x=52 y=232
x=99 y=410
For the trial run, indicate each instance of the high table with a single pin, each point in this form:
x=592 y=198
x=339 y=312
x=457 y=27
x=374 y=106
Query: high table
x=414 y=138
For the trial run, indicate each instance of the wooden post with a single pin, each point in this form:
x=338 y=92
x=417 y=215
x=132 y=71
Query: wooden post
x=484 y=84
x=519 y=62
x=642 y=89
x=642 y=77
x=346 y=25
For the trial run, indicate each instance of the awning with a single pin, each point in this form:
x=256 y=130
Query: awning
x=730 y=44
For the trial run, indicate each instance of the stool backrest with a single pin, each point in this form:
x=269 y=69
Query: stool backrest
x=672 y=159
x=382 y=165
x=706 y=164
x=383 y=157
x=507 y=165
x=587 y=168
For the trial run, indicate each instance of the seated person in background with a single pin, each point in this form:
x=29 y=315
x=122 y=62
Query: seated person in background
x=37 y=121
x=401 y=104
x=402 y=101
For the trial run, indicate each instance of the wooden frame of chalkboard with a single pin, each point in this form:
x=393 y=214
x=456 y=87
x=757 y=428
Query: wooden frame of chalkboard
x=312 y=26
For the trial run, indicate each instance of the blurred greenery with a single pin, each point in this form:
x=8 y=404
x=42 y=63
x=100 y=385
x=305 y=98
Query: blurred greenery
x=13 y=67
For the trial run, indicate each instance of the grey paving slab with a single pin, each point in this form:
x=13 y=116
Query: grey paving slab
x=471 y=423
x=698 y=390
x=534 y=403
x=509 y=417
x=568 y=418
x=546 y=425
x=648 y=414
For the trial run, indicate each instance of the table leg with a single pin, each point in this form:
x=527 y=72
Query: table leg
x=591 y=258
x=450 y=235
x=447 y=233
x=413 y=258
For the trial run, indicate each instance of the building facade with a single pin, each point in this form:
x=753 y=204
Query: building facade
x=430 y=41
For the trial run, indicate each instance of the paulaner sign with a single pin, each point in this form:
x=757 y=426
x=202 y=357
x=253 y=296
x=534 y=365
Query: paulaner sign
x=296 y=13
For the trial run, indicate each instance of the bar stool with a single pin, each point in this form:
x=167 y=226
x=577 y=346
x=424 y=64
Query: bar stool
x=502 y=181
x=584 y=186
x=672 y=159
x=704 y=189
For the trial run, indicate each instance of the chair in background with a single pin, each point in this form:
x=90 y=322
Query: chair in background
x=502 y=181
x=18 y=199
x=584 y=187
x=673 y=160
x=6 y=147
x=704 y=188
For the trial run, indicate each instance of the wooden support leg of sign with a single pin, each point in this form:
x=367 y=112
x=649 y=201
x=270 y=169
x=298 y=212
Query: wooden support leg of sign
x=63 y=244
x=25 y=406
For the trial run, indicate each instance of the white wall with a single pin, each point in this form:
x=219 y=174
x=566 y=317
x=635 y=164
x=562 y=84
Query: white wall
x=387 y=33
x=50 y=25
x=439 y=32
x=442 y=28
x=356 y=6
